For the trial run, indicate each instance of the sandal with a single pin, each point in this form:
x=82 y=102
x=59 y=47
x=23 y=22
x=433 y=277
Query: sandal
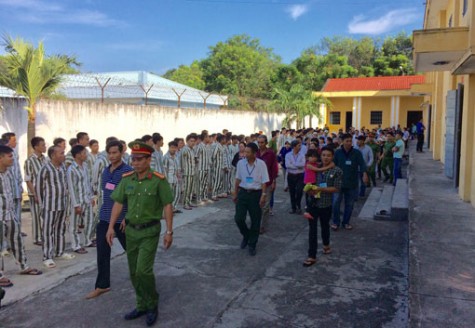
x=31 y=272
x=309 y=262
x=80 y=251
x=308 y=216
x=49 y=264
x=348 y=226
x=5 y=282
x=327 y=250
x=334 y=227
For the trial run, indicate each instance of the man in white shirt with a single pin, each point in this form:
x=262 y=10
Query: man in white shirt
x=368 y=157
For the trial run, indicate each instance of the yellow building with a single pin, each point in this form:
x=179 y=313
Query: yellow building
x=369 y=102
x=445 y=50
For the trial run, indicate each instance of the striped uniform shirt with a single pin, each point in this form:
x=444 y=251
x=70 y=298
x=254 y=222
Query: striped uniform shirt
x=156 y=163
x=17 y=179
x=89 y=162
x=204 y=157
x=51 y=187
x=109 y=180
x=226 y=160
x=217 y=158
x=7 y=190
x=32 y=166
x=79 y=186
x=171 y=167
x=187 y=161
x=102 y=162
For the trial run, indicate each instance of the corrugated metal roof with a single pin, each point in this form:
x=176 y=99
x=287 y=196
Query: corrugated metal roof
x=372 y=83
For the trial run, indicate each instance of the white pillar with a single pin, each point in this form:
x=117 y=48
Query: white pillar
x=391 y=123
x=323 y=115
x=397 y=110
x=360 y=105
x=355 y=104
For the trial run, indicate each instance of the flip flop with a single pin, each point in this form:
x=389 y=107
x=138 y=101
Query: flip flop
x=5 y=282
x=31 y=272
x=334 y=227
x=348 y=227
x=327 y=250
x=309 y=262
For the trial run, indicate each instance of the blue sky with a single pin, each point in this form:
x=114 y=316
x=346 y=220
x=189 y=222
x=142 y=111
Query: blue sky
x=156 y=35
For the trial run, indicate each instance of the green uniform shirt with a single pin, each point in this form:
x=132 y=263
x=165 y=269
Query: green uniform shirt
x=145 y=198
x=388 y=149
x=375 y=148
x=273 y=145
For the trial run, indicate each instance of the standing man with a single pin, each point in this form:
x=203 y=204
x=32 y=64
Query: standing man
x=387 y=159
x=351 y=162
x=9 y=224
x=81 y=199
x=250 y=196
x=171 y=168
x=110 y=178
x=376 y=150
x=157 y=156
x=218 y=166
x=204 y=159
x=295 y=163
x=188 y=166
x=398 y=153
x=32 y=166
x=420 y=128
x=367 y=153
x=148 y=196
x=270 y=159
x=51 y=190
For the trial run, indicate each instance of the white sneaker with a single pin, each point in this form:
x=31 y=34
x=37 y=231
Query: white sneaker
x=5 y=253
x=67 y=256
x=49 y=264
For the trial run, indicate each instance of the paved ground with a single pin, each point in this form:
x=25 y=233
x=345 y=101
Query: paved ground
x=442 y=249
x=205 y=280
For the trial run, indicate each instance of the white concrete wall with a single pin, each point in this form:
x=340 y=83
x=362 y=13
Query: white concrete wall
x=128 y=122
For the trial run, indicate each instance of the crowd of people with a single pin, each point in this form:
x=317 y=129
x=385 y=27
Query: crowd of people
x=96 y=195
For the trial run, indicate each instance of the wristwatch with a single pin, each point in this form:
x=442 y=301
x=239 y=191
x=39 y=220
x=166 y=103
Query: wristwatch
x=170 y=233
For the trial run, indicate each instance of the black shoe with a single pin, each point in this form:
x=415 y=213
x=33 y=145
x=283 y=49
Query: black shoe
x=299 y=211
x=244 y=243
x=152 y=316
x=134 y=314
x=292 y=212
x=2 y=295
x=252 y=251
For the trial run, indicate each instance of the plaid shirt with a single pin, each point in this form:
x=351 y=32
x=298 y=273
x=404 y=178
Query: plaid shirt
x=333 y=178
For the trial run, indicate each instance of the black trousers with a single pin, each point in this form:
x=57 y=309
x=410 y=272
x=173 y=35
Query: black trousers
x=295 y=189
x=104 y=253
x=420 y=141
x=323 y=215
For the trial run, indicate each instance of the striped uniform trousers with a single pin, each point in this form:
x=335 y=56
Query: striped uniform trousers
x=176 y=194
x=203 y=185
x=54 y=230
x=51 y=189
x=187 y=162
x=188 y=188
x=86 y=217
x=217 y=160
x=37 y=220
x=11 y=233
x=33 y=165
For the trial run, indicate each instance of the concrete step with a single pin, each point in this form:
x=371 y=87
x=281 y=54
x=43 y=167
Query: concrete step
x=400 y=202
x=369 y=207
x=383 y=209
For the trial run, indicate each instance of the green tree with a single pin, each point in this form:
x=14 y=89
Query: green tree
x=241 y=67
x=32 y=74
x=188 y=75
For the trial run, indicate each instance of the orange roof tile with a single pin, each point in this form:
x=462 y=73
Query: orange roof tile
x=372 y=83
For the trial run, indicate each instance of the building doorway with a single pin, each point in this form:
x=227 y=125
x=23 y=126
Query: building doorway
x=458 y=133
x=349 y=121
x=413 y=116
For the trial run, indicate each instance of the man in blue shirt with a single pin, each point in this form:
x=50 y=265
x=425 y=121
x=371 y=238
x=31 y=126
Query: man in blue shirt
x=111 y=177
x=398 y=153
x=420 y=128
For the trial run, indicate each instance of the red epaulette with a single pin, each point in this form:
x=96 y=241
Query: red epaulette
x=161 y=176
x=128 y=174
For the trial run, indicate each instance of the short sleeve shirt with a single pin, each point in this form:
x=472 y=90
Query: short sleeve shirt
x=400 y=152
x=252 y=176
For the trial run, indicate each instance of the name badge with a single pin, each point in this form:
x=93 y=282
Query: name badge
x=110 y=186
x=249 y=179
x=348 y=162
x=323 y=185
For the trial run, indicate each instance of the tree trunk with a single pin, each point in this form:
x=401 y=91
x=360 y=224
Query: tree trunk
x=31 y=130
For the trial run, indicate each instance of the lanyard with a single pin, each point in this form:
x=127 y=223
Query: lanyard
x=296 y=158
x=247 y=169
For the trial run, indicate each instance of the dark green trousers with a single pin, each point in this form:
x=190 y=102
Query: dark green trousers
x=141 y=249
x=387 y=165
x=248 y=202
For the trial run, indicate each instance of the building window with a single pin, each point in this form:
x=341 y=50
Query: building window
x=465 y=5
x=335 y=118
x=376 y=117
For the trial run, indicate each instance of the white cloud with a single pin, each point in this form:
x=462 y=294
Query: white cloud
x=296 y=11
x=42 y=12
x=393 y=19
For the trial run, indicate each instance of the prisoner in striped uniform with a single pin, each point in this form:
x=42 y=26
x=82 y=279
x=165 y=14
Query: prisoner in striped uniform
x=227 y=170
x=9 y=224
x=32 y=166
x=171 y=167
x=51 y=190
x=203 y=155
x=188 y=166
x=217 y=162
x=81 y=199
x=157 y=156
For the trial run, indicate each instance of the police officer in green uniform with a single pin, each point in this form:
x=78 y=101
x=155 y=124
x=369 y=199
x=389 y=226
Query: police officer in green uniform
x=376 y=149
x=147 y=195
x=387 y=162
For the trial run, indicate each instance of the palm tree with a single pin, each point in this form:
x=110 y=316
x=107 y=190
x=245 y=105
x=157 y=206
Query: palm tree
x=32 y=74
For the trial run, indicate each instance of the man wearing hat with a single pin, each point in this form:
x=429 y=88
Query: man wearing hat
x=147 y=195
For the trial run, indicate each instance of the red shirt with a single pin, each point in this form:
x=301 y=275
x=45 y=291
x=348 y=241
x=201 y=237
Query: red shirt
x=269 y=157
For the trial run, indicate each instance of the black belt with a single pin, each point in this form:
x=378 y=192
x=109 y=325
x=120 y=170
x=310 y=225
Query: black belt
x=250 y=190
x=294 y=173
x=143 y=225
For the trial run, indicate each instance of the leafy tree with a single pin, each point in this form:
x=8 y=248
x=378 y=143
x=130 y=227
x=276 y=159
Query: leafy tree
x=189 y=75
x=32 y=74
